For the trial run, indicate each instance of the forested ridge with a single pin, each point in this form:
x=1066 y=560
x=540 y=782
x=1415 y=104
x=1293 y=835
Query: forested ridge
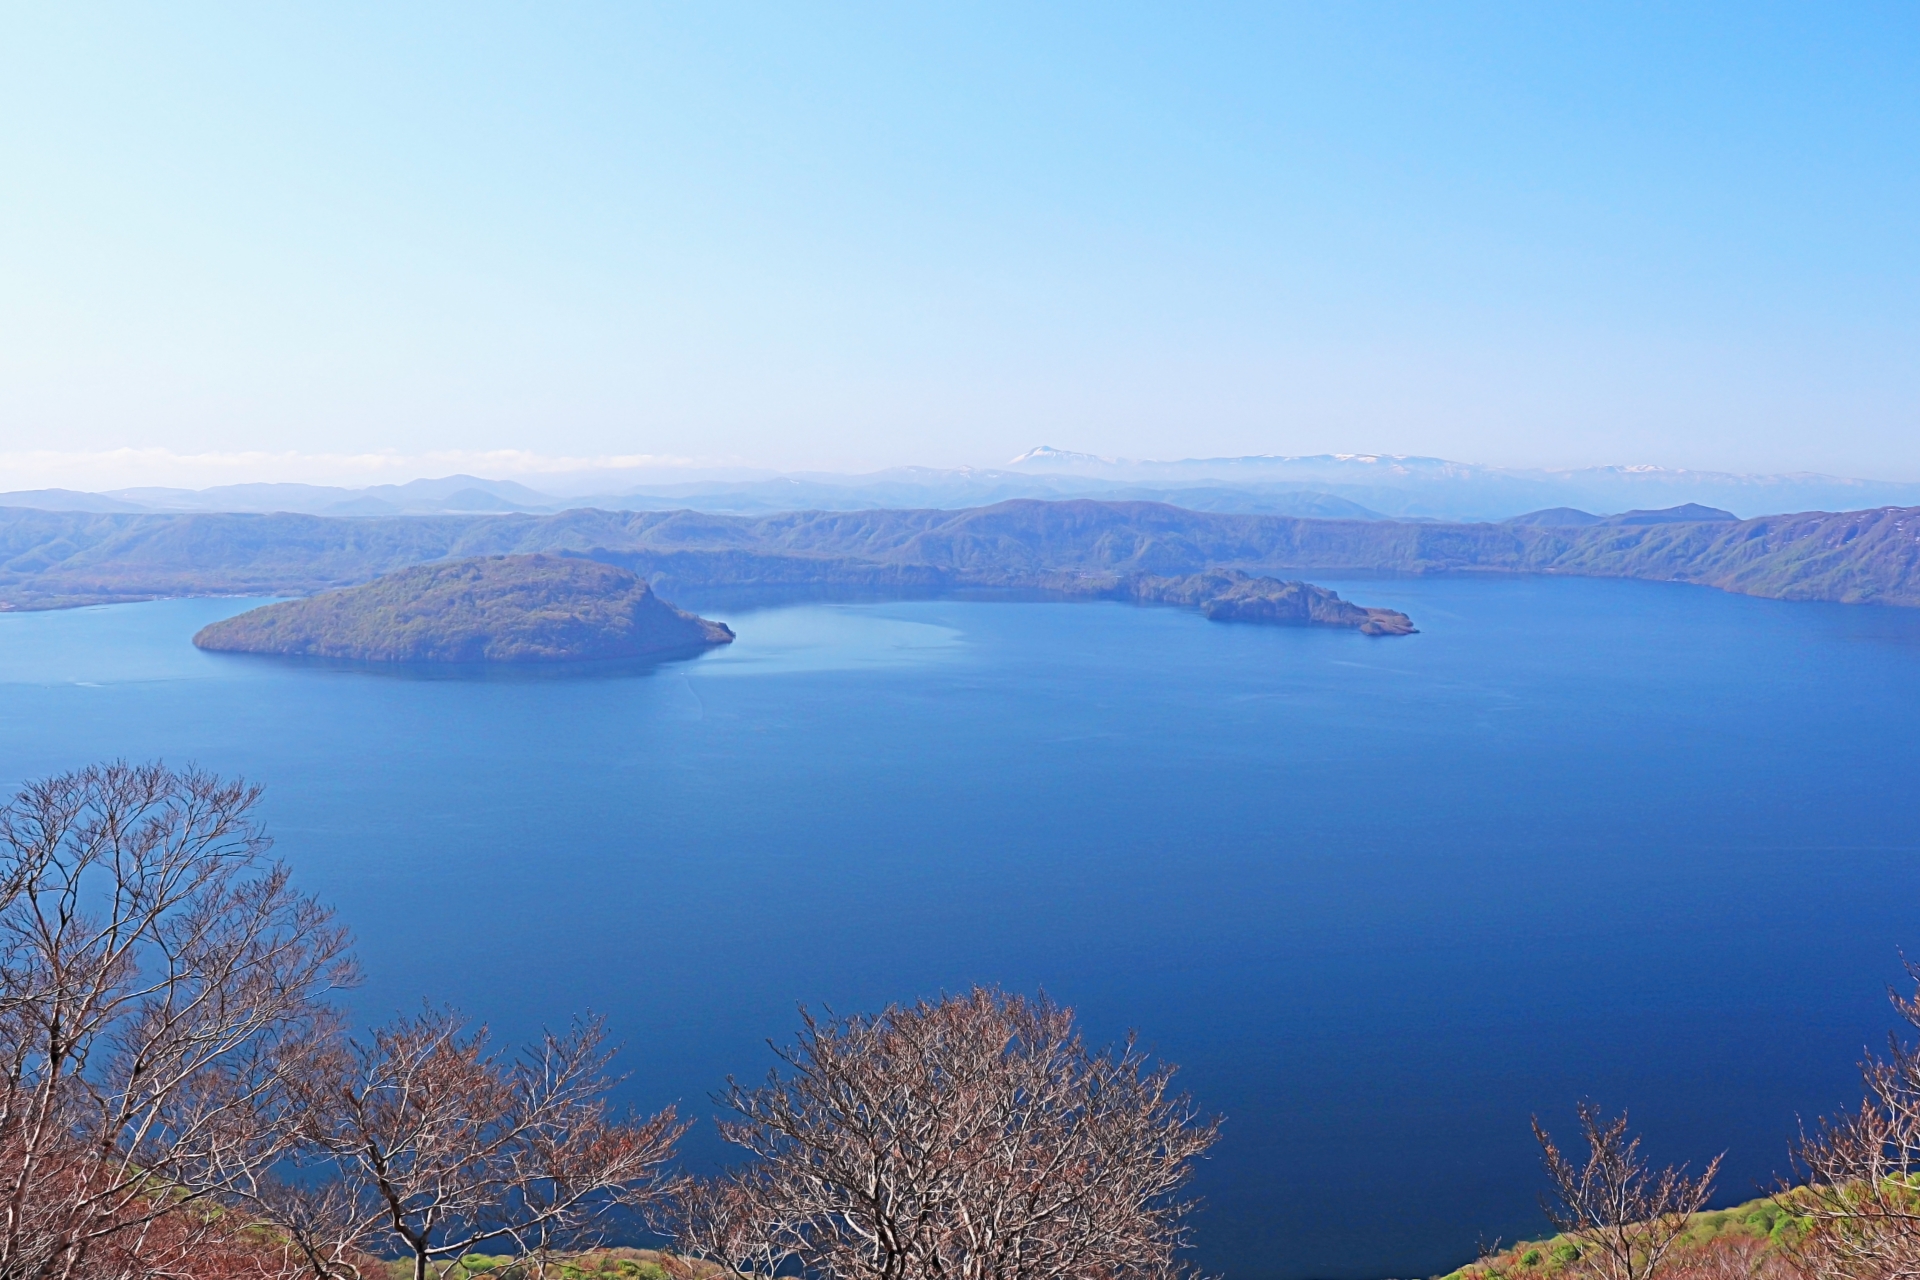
x=55 y=559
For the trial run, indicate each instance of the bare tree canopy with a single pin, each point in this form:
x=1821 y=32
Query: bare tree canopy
x=153 y=964
x=969 y=1137
x=424 y=1143
x=1625 y=1215
x=1862 y=1198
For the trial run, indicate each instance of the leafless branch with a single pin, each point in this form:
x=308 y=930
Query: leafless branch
x=419 y=1140
x=153 y=962
x=1625 y=1215
x=1862 y=1198
x=969 y=1137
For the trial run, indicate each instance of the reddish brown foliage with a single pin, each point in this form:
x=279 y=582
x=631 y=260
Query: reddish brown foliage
x=971 y=1137
x=153 y=964
x=1625 y=1215
x=1862 y=1199
x=432 y=1146
x=1732 y=1257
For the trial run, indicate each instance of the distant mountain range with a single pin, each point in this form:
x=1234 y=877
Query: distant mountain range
x=1325 y=486
x=462 y=494
x=54 y=559
x=902 y=487
x=1435 y=488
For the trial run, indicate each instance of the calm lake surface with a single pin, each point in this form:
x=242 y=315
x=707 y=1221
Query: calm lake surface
x=1381 y=899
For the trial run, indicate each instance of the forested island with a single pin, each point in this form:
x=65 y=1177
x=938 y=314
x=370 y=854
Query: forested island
x=532 y=608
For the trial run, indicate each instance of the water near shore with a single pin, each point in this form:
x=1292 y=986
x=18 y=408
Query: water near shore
x=1382 y=898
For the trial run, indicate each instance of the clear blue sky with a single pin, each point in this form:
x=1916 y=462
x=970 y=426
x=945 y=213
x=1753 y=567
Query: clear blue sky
x=843 y=236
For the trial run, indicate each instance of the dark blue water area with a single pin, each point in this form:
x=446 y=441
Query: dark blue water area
x=1381 y=899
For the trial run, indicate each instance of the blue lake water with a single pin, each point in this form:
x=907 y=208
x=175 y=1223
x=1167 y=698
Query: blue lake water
x=1381 y=899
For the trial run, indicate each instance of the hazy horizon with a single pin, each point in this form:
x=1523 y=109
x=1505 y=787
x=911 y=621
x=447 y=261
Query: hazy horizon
x=127 y=469
x=313 y=245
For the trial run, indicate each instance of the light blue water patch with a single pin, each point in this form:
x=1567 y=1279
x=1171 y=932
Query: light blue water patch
x=113 y=644
x=799 y=638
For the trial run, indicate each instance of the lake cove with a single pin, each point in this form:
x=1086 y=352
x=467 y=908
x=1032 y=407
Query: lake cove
x=1381 y=900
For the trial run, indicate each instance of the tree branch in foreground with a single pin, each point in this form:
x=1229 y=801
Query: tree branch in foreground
x=973 y=1136
x=420 y=1141
x=1624 y=1215
x=153 y=966
x=1862 y=1198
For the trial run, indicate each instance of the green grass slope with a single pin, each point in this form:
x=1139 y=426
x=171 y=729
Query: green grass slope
x=1720 y=1243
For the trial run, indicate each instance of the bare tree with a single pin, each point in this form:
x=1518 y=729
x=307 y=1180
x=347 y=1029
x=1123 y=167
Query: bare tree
x=420 y=1141
x=1731 y=1257
x=1862 y=1198
x=153 y=962
x=1624 y=1215
x=970 y=1137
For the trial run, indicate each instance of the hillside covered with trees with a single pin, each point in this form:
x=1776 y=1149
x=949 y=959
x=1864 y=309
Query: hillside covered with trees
x=52 y=559
x=486 y=609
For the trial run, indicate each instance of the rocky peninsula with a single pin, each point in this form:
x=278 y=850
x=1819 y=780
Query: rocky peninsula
x=496 y=609
x=1228 y=595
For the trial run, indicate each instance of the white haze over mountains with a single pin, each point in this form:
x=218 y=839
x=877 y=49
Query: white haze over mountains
x=1336 y=486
